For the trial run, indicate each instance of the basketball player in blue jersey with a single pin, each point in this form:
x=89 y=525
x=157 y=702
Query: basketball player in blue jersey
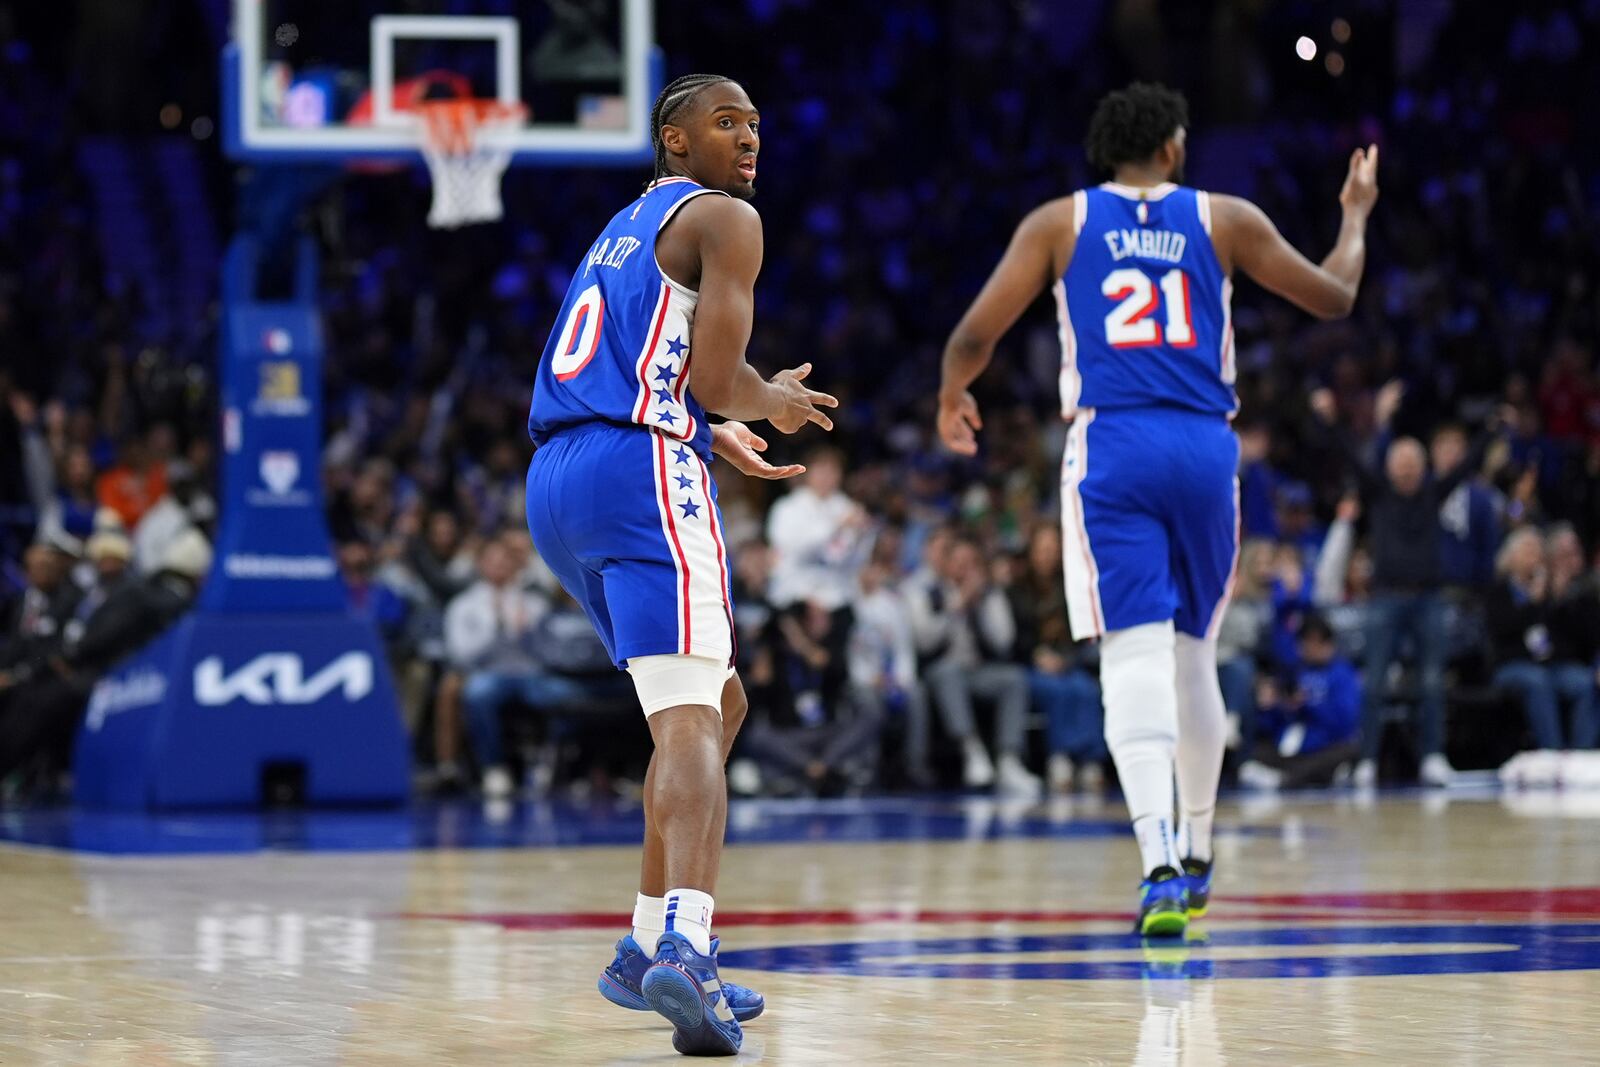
x=623 y=508
x=1141 y=269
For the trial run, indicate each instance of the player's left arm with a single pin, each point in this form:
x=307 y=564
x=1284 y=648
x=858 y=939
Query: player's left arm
x=1022 y=273
x=741 y=446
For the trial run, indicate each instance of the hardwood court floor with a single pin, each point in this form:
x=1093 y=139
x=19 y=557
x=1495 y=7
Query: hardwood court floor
x=1402 y=929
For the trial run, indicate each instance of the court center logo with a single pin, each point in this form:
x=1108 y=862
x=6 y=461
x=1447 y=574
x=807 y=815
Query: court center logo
x=1279 y=952
x=1351 y=935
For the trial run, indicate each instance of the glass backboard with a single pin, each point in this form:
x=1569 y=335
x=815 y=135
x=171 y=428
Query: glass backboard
x=309 y=80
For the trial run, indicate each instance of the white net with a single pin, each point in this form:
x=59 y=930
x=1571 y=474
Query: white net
x=466 y=169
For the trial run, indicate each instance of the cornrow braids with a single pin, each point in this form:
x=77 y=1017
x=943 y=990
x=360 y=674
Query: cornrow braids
x=674 y=95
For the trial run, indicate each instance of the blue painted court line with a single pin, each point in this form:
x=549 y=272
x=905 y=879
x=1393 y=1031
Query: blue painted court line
x=554 y=824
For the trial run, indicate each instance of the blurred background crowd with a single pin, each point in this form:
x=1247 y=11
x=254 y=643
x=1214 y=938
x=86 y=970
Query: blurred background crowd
x=1420 y=484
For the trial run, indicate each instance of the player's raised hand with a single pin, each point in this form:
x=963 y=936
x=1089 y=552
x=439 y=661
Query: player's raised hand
x=798 y=405
x=959 y=422
x=1360 y=190
x=739 y=445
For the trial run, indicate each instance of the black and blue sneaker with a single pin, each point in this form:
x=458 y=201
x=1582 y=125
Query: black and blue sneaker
x=1197 y=876
x=1163 y=904
x=682 y=987
x=619 y=983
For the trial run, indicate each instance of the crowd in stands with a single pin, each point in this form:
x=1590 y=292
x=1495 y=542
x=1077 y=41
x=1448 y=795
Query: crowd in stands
x=1420 y=484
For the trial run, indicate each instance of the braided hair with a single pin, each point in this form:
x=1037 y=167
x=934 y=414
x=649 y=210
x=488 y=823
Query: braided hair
x=1130 y=125
x=676 y=94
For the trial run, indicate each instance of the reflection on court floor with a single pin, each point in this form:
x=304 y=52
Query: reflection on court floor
x=1395 y=929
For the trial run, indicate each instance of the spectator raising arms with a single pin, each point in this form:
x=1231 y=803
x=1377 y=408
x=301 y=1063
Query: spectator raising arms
x=1403 y=502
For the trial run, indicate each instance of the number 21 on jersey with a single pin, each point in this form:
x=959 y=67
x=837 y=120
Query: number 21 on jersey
x=1132 y=323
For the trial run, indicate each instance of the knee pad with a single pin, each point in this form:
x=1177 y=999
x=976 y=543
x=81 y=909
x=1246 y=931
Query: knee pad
x=1138 y=682
x=672 y=681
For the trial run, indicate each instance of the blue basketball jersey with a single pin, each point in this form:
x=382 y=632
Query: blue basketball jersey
x=621 y=348
x=1144 y=304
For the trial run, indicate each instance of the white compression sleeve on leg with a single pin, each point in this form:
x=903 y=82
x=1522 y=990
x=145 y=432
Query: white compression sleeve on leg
x=1138 y=677
x=672 y=681
x=1202 y=738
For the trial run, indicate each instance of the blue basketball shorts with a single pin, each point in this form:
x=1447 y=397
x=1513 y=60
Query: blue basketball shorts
x=1149 y=519
x=628 y=520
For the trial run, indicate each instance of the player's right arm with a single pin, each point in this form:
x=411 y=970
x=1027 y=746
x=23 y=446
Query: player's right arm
x=1039 y=251
x=1247 y=239
x=728 y=235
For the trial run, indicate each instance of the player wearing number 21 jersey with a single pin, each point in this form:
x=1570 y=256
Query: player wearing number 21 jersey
x=1141 y=270
x=623 y=507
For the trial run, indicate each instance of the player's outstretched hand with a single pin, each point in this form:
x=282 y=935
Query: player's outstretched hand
x=959 y=422
x=1360 y=190
x=799 y=404
x=739 y=445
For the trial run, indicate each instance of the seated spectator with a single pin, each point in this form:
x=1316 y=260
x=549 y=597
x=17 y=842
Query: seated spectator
x=138 y=480
x=883 y=666
x=435 y=558
x=1522 y=620
x=42 y=702
x=110 y=553
x=818 y=536
x=1469 y=518
x=1063 y=686
x=1258 y=480
x=1309 y=724
x=37 y=619
x=489 y=630
x=575 y=673
x=1297 y=522
x=185 y=504
x=825 y=742
x=1242 y=640
x=966 y=635
x=75 y=500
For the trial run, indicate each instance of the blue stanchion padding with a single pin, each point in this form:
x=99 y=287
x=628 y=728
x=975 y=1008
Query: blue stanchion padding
x=273 y=552
x=192 y=720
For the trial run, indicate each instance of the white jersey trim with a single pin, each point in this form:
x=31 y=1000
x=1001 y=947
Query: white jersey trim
x=1079 y=570
x=1134 y=192
x=1071 y=380
x=1202 y=202
x=679 y=287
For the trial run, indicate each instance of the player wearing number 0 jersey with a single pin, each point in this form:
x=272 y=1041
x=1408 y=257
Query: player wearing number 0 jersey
x=1140 y=267
x=623 y=507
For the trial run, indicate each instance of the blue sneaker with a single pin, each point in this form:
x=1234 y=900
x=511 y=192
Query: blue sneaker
x=1163 y=904
x=619 y=983
x=1197 y=879
x=682 y=987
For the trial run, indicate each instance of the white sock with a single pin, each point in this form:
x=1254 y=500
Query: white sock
x=1137 y=672
x=649 y=920
x=1156 y=846
x=1202 y=740
x=1194 y=836
x=688 y=912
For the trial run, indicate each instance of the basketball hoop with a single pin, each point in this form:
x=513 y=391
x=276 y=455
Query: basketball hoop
x=466 y=167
